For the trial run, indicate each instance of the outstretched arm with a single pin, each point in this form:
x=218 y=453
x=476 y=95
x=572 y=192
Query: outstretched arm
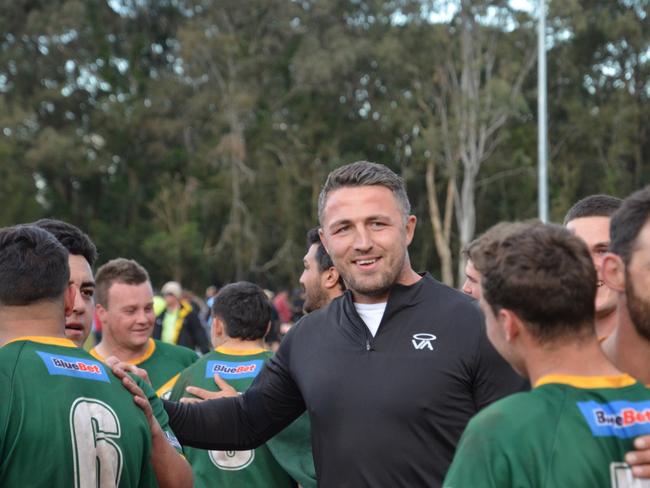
x=243 y=422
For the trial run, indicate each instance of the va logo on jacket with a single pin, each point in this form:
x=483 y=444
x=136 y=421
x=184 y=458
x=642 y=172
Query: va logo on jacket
x=423 y=341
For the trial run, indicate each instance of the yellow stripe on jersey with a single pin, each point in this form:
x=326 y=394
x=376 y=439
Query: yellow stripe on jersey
x=151 y=348
x=239 y=352
x=167 y=387
x=617 y=381
x=54 y=341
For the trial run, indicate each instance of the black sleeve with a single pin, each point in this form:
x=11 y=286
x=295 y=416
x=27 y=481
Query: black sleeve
x=271 y=403
x=493 y=377
x=197 y=331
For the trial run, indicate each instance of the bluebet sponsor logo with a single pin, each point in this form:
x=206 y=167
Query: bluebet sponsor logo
x=88 y=369
x=621 y=419
x=230 y=370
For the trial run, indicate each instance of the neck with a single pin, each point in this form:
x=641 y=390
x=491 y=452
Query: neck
x=576 y=358
x=241 y=344
x=110 y=347
x=46 y=320
x=628 y=350
x=606 y=325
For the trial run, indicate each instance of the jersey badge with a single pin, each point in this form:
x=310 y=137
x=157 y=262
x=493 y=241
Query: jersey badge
x=620 y=419
x=233 y=371
x=423 y=341
x=88 y=369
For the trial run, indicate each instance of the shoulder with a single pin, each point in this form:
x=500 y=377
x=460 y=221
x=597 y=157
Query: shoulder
x=180 y=352
x=508 y=416
x=446 y=299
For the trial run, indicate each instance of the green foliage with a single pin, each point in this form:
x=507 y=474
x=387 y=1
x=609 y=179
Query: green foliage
x=194 y=135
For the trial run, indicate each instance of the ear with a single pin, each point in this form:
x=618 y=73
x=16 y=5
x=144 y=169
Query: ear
x=101 y=313
x=217 y=332
x=268 y=328
x=410 y=228
x=330 y=278
x=613 y=272
x=68 y=299
x=510 y=323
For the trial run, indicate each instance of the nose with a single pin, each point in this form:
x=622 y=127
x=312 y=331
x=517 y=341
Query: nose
x=362 y=239
x=142 y=316
x=79 y=306
x=467 y=288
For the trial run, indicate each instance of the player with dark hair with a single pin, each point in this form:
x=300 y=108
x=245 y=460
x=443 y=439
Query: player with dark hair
x=241 y=317
x=390 y=373
x=82 y=254
x=320 y=281
x=86 y=430
x=589 y=219
x=538 y=286
x=125 y=307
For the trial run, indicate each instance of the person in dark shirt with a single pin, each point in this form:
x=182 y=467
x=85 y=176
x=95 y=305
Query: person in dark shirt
x=390 y=372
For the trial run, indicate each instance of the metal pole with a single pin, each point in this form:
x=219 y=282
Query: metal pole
x=542 y=184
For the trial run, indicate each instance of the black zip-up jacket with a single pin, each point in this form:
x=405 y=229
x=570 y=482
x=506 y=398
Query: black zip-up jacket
x=385 y=411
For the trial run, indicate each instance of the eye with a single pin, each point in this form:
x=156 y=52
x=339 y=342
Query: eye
x=87 y=292
x=341 y=228
x=377 y=225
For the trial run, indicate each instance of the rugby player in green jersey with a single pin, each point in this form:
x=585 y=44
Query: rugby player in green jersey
x=82 y=428
x=82 y=254
x=241 y=318
x=124 y=299
x=538 y=286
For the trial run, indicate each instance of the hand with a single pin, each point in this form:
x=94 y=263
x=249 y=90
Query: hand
x=225 y=391
x=112 y=361
x=640 y=459
x=139 y=397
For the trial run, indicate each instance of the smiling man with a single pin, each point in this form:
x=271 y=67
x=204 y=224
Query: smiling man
x=125 y=307
x=390 y=373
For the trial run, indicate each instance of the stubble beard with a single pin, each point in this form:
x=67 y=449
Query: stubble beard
x=314 y=300
x=377 y=287
x=639 y=309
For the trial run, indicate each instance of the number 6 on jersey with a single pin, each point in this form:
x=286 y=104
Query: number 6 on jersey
x=98 y=459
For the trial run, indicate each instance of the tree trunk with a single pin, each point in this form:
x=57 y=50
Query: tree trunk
x=441 y=231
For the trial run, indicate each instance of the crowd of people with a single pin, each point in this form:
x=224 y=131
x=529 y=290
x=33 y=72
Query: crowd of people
x=533 y=374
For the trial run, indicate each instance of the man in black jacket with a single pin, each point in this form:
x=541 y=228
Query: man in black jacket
x=390 y=372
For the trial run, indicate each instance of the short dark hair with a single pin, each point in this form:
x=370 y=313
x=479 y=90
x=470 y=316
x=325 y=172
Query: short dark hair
x=593 y=206
x=119 y=270
x=627 y=223
x=72 y=238
x=543 y=273
x=322 y=258
x=364 y=173
x=244 y=309
x=33 y=266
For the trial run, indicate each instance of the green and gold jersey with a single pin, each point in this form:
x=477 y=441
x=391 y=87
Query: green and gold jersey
x=229 y=469
x=162 y=362
x=569 y=431
x=65 y=420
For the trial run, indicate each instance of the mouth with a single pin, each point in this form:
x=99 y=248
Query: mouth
x=366 y=263
x=74 y=329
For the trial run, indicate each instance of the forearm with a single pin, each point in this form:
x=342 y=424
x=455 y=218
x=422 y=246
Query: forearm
x=171 y=468
x=220 y=424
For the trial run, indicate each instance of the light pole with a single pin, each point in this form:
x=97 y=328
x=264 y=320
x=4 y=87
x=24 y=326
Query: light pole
x=542 y=151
